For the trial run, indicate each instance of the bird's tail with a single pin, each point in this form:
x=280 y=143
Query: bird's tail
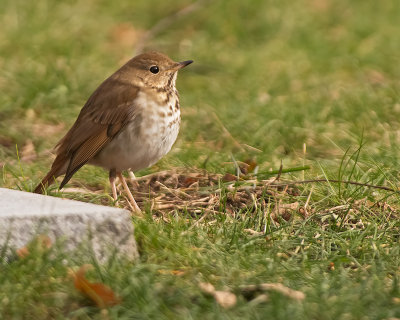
x=57 y=169
x=46 y=181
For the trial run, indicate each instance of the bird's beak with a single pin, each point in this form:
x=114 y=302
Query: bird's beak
x=184 y=63
x=180 y=65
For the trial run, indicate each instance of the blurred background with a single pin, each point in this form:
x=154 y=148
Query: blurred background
x=297 y=81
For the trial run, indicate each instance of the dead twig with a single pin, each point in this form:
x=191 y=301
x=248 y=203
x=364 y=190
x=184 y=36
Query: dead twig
x=308 y=201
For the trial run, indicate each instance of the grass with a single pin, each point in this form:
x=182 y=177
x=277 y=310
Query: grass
x=307 y=83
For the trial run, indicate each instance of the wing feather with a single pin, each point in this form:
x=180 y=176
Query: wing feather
x=102 y=117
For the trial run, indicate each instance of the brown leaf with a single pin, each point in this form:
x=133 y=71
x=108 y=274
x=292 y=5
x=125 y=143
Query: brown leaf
x=188 y=181
x=228 y=177
x=39 y=244
x=251 y=165
x=177 y=272
x=23 y=252
x=99 y=293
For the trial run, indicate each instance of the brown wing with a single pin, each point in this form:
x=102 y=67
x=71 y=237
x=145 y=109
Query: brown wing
x=106 y=112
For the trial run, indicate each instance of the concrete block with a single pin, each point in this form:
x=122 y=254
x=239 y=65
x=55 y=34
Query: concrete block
x=99 y=229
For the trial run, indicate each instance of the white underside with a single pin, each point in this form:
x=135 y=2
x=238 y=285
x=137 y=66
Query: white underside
x=137 y=149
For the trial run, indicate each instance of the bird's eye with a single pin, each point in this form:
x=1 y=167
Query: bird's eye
x=154 y=69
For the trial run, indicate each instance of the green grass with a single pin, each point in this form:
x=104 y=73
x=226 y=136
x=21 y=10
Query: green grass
x=276 y=75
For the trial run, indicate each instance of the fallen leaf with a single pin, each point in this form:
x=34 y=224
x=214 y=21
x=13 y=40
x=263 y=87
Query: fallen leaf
x=99 y=293
x=282 y=255
x=178 y=272
x=248 y=166
x=23 y=252
x=39 y=244
x=254 y=232
x=291 y=206
x=225 y=299
x=172 y=272
x=228 y=177
x=278 y=287
x=262 y=298
x=189 y=181
x=207 y=288
x=42 y=242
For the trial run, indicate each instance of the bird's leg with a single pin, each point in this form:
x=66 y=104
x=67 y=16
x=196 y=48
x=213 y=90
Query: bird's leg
x=132 y=179
x=130 y=197
x=112 y=176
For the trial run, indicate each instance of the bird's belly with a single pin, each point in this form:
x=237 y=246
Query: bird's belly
x=140 y=147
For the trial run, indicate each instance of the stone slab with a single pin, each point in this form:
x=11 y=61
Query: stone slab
x=99 y=229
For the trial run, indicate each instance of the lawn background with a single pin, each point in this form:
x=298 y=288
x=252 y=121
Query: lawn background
x=303 y=82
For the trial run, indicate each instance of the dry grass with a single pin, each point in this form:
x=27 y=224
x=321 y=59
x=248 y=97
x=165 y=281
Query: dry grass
x=204 y=195
x=199 y=191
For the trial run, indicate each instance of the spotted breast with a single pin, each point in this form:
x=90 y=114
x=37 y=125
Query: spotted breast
x=148 y=136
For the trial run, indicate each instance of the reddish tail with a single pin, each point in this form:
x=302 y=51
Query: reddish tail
x=47 y=180
x=57 y=169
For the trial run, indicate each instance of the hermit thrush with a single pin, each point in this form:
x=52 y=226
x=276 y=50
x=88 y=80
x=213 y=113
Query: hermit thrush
x=129 y=122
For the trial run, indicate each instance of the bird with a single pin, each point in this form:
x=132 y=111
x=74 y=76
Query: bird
x=128 y=123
